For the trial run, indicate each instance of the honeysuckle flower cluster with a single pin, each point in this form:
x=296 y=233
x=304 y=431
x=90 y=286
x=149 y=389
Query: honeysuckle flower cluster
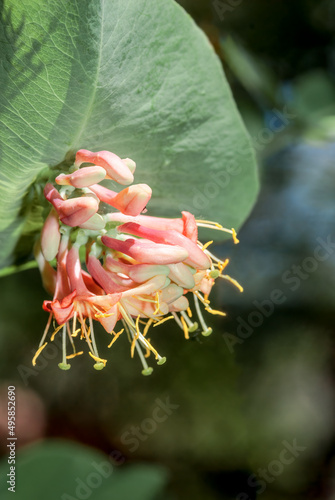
x=139 y=270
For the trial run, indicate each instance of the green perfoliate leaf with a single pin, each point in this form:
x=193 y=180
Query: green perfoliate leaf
x=65 y=471
x=135 y=77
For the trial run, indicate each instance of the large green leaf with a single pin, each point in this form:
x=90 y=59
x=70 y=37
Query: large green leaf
x=64 y=471
x=136 y=77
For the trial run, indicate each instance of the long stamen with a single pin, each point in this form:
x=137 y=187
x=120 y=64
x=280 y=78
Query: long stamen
x=70 y=337
x=131 y=328
x=147 y=326
x=163 y=321
x=201 y=298
x=214 y=225
x=100 y=363
x=206 y=245
x=135 y=337
x=46 y=330
x=37 y=353
x=234 y=282
x=116 y=336
x=56 y=331
x=177 y=320
x=84 y=331
x=74 y=323
x=191 y=326
x=70 y=356
x=157 y=310
x=214 y=311
x=183 y=322
x=206 y=331
x=64 y=365
x=147 y=370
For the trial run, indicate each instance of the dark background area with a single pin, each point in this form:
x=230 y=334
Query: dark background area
x=263 y=382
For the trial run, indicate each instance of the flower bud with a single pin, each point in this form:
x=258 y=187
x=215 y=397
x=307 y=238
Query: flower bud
x=84 y=177
x=116 y=169
x=181 y=275
x=95 y=223
x=130 y=164
x=50 y=236
x=76 y=211
x=197 y=258
x=147 y=252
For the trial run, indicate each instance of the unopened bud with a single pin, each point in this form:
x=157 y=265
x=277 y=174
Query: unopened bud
x=95 y=223
x=76 y=211
x=130 y=164
x=115 y=168
x=50 y=236
x=83 y=177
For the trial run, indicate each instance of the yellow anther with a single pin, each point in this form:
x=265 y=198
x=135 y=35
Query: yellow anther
x=189 y=312
x=235 y=239
x=70 y=356
x=206 y=245
x=184 y=328
x=213 y=311
x=56 y=331
x=136 y=336
x=147 y=352
x=37 y=353
x=222 y=265
x=147 y=326
x=117 y=335
x=157 y=310
x=216 y=224
x=74 y=334
x=98 y=360
x=162 y=321
x=103 y=315
x=234 y=282
x=201 y=298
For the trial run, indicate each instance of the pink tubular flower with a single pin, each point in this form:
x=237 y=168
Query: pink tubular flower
x=137 y=272
x=74 y=211
x=84 y=177
x=130 y=201
x=141 y=269
x=116 y=169
x=186 y=225
x=196 y=257
x=146 y=251
x=50 y=236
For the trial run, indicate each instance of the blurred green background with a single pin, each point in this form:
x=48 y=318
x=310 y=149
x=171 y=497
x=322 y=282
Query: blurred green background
x=249 y=411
